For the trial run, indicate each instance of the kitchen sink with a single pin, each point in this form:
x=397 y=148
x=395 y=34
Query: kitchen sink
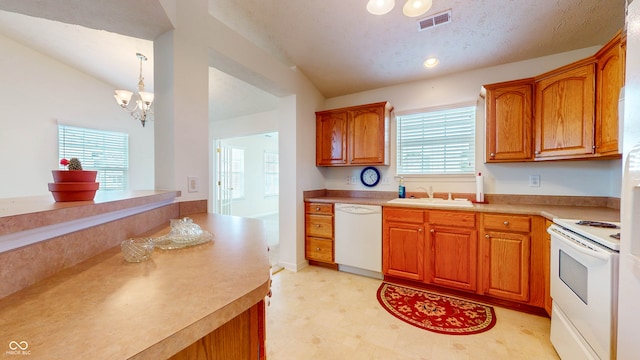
x=432 y=202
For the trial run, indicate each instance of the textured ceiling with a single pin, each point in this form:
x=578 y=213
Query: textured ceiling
x=343 y=49
x=340 y=47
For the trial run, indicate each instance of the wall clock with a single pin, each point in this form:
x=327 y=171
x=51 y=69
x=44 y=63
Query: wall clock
x=370 y=176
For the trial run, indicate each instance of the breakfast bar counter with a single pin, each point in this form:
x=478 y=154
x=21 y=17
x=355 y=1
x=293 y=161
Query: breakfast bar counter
x=107 y=308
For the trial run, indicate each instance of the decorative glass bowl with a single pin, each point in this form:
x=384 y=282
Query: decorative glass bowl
x=184 y=232
x=137 y=249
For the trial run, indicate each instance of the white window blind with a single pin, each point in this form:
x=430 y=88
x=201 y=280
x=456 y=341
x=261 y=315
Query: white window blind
x=436 y=142
x=271 y=173
x=105 y=151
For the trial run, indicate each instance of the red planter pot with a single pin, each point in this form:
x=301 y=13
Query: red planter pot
x=74 y=175
x=74 y=185
x=73 y=191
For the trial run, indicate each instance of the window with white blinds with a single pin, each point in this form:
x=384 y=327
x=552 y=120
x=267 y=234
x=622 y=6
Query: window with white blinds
x=105 y=151
x=438 y=142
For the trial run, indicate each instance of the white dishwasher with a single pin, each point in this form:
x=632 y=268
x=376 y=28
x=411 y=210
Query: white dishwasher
x=358 y=239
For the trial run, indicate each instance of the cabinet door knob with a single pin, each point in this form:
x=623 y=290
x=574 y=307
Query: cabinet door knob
x=537 y=152
x=318 y=208
x=506 y=223
x=487 y=236
x=419 y=230
x=317 y=225
x=317 y=249
x=432 y=231
x=492 y=154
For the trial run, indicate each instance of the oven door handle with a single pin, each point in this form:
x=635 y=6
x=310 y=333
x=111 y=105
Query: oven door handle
x=583 y=249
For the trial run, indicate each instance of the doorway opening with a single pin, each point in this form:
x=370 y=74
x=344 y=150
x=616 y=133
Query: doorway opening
x=247 y=183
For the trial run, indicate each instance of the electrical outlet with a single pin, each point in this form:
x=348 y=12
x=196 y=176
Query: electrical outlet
x=347 y=180
x=534 y=180
x=353 y=180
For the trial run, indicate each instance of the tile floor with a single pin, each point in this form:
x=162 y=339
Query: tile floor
x=318 y=313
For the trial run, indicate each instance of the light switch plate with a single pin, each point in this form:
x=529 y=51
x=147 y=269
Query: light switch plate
x=192 y=184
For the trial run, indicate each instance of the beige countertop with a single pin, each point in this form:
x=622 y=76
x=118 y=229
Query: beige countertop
x=26 y=213
x=106 y=308
x=550 y=212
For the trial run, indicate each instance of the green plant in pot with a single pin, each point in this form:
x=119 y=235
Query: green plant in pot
x=74 y=184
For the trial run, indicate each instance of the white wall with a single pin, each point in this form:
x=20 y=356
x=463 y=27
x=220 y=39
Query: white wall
x=579 y=178
x=37 y=92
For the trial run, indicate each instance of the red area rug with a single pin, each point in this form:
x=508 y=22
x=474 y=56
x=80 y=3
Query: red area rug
x=435 y=312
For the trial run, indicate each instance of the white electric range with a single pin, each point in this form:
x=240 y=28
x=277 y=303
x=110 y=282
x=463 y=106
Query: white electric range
x=584 y=288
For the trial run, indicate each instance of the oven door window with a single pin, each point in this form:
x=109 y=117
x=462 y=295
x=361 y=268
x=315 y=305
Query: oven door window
x=574 y=275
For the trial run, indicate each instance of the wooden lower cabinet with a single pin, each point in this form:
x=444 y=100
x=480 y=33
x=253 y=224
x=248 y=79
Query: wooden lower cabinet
x=547 y=268
x=498 y=256
x=506 y=265
x=452 y=250
x=319 y=233
x=241 y=338
x=506 y=256
x=403 y=243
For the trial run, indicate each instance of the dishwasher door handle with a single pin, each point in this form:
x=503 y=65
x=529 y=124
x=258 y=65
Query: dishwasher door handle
x=357 y=210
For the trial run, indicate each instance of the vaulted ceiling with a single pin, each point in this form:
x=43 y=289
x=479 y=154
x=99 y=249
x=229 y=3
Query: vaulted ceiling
x=340 y=47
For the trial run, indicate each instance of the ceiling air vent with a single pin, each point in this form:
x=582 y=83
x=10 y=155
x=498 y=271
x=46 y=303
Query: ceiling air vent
x=434 y=20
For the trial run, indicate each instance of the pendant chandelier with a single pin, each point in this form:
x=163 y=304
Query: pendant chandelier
x=412 y=8
x=142 y=108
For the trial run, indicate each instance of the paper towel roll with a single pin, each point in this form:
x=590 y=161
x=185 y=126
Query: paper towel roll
x=479 y=188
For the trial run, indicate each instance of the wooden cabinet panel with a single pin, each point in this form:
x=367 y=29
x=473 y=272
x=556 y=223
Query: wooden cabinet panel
x=506 y=262
x=547 y=268
x=241 y=338
x=318 y=208
x=319 y=225
x=564 y=121
x=452 y=259
x=403 y=215
x=452 y=218
x=319 y=249
x=509 y=127
x=331 y=138
x=610 y=78
x=368 y=135
x=357 y=135
x=504 y=222
x=319 y=232
x=403 y=249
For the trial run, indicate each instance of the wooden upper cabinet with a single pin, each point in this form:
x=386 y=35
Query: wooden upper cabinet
x=331 y=138
x=564 y=108
x=357 y=135
x=509 y=126
x=568 y=113
x=610 y=79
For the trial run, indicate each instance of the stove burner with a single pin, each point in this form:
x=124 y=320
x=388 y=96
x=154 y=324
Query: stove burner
x=598 y=224
x=615 y=236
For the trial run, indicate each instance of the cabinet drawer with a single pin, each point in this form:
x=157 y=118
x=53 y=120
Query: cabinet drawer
x=319 y=249
x=403 y=215
x=318 y=208
x=319 y=225
x=505 y=222
x=451 y=218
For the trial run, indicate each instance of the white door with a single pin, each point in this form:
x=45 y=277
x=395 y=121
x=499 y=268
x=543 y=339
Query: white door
x=223 y=184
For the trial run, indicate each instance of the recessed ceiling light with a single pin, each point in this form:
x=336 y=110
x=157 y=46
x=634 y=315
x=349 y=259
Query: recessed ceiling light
x=431 y=62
